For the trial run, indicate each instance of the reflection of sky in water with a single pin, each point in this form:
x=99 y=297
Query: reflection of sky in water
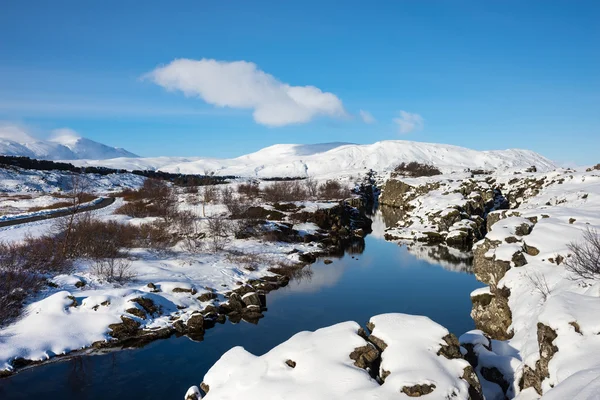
x=385 y=278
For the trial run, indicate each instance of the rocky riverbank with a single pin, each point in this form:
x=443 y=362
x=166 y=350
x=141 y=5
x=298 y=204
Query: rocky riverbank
x=536 y=331
x=265 y=260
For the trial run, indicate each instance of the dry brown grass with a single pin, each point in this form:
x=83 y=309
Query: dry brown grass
x=60 y=204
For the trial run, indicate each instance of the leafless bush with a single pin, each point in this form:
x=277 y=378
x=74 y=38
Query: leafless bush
x=41 y=255
x=235 y=205
x=333 y=190
x=312 y=187
x=585 y=260
x=285 y=191
x=415 y=169
x=539 y=283
x=248 y=261
x=117 y=270
x=154 y=199
x=250 y=190
x=190 y=189
x=218 y=232
x=22 y=272
x=156 y=235
x=15 y=286
x=92 y=238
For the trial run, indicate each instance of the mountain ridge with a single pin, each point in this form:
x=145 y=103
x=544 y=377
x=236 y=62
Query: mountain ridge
x=67 y=146
x=330 y=159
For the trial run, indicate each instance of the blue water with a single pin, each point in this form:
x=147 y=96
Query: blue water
x=384 y=278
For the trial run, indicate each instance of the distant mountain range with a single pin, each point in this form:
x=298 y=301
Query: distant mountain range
x=334 y=159
x=64 y=146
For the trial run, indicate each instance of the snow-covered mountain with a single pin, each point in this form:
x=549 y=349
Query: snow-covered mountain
x=330 y=159
x=65 y=145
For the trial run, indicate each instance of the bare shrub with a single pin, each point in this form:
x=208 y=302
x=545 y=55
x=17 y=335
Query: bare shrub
x=312 y=187
x=15 y=286
x=93 y=238
x=415 y=169
x=248 y=261
x=585 y=260
x=156 y=235
x=154 y=199
x=250 y=190
x=54 y=206
x=113 y=270
x=285 y=191
x=218 y=232
x=539 y=283
x=190 y=189
x=22 y=272
x=209 y=195
x=235 y=205
x=333 y=190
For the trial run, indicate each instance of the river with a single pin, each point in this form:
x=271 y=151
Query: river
x=383 y=278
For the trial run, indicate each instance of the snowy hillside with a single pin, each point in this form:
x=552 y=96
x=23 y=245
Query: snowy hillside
x=66 y=145
x=335 y=158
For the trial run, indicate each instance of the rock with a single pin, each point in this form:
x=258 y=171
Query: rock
x=451 y=349
x=252 y=315
x=207 y=296
x=79 y=284
x=252 y=299
x=153 y=287
x=204 y=387
x=519 y=259
x=195 y=323
x=193 y=393
x=488 y=270
x=365 y=357
x=147 y=304
x=136 y=312
x=418 y=390
x=327 y=261
x=532 y=251
x=534 y=377
x=234 y=304
x=124 y=330
x=73 y=301
x=184 y=290
x=492 y=314
x=290 y=363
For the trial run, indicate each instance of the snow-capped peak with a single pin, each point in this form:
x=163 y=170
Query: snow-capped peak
x=65 y=144
x=65 y=136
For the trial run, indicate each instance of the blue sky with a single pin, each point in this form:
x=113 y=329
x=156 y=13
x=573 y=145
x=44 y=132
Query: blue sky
x=479 y=74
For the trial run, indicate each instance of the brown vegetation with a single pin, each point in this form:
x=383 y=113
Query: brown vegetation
x=415 y=169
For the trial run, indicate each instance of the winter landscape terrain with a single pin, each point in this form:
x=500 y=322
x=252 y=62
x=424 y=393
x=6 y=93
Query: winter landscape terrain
x=191 y=250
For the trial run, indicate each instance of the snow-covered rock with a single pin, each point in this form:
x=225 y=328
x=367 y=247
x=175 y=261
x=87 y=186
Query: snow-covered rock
x=542 y=318
x=411 y=356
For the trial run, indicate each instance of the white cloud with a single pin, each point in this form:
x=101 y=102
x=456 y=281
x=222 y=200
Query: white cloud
x=367 y=117
x=409 y=122
x=64 y=136
x=15 y=132
x=240 y=84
